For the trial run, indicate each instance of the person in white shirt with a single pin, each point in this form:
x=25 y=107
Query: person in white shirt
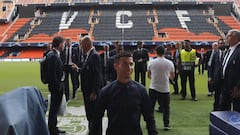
x=160 y=70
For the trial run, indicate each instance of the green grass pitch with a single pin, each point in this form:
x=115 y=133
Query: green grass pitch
x=186 y=117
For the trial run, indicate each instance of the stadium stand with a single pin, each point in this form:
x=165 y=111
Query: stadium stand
x=21 y=32
x=181 y=23
x=79 y=25
x=156 y=22
x=109 y=28
x=30 y=53
x=3 y=29
x=229 y=21
x=26 y=2
x=16 y=26
x=8 y=11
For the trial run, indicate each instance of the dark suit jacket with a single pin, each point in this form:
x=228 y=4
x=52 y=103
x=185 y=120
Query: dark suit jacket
x=111 y=72
x=55 y=70
x=91 y=74
x=74 y=55
x=140 y=66
x=206 y=58
x=176 y=59
x=215 y=69
x=232 y=71
x=102 y=58
x=112 y=52
x=104 y=69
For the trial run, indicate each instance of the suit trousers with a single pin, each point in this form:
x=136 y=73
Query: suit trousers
x=210 y=85
x=90 y=113
x=143 y=76
x=74 y=79
x=227 y=99
x=56 y=98
x=184 y=74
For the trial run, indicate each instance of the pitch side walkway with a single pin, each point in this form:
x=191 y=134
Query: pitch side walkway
x=75 y=121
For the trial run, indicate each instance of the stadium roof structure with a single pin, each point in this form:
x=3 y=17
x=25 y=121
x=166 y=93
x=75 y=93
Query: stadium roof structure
x=72 y=2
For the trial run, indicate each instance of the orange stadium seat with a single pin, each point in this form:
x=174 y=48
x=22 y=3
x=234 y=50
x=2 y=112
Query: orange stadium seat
x=16 y=26
x=35 y=53
x=229 y=20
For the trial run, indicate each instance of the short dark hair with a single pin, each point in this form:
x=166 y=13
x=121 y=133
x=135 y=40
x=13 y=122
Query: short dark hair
x=57 y=41
x=187 y=40
x=121 y=55
x=139 y=43
x=160 y=50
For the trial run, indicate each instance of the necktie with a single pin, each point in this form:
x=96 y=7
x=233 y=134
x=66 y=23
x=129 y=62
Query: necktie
x=68 y=54
x=85 y=57
x=225 y=62
x=106 y=56
x=226 y=56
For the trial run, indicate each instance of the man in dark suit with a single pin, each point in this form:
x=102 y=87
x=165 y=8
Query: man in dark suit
x=140 y=58
x=111 y=73
x=104 y=58
x=215 y=73
x=231 y=73
x=114 y=51
x=176 y=61
x=91 y=79
x=201 y=67
x=55 y=82
x=69 y=56
x=208 y=61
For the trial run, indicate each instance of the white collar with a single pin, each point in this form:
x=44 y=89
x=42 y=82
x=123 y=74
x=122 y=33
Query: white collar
x=58 y=52
x=234 y=46
x=88 y=52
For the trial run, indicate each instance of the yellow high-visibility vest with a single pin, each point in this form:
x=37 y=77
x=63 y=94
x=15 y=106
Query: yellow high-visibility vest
x=188 y=56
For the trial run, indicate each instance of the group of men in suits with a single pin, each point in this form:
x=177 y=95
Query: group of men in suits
x=85 y=60
x=64 y=60
x=224 y=73
x=140 y=58
x=69 y=56
x=107 y=57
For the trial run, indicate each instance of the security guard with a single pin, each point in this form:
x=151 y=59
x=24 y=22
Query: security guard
x=187 y=64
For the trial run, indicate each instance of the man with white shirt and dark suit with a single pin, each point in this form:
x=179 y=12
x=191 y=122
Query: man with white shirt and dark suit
x=140 y=58
x=231 y=73
x=69 y=56
x=176 y=54
x=91 y=79
x=208 y=61
x=55 y=80
x=215 y=73
x=111 y=73
x=104 y=57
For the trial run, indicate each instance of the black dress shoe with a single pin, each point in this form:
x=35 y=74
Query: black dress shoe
x=159 y=110
x=61 y=131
